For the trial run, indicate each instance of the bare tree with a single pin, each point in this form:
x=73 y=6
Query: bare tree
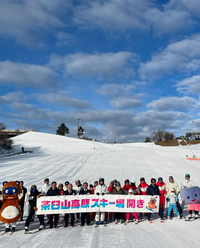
x=147 y=139
x=157 y=135
x=169 y=136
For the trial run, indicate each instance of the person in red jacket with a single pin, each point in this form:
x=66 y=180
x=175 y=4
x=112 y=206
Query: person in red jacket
x=111 y=187
x=126 y=186
x=162 y=191
x=142 y=187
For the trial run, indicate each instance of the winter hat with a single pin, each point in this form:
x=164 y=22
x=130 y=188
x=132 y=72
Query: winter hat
x=153 y=180
x=160 y=178
x=78 y=181
x=130 y=191
x=171 y=177
x=118 y=184
x=96 y=182
x=47 y=179
x=142 y=179
x=126 y=181
x=67 y=182
x=33 y=188
x=60 y=185
x=114 y=181
x=133 y=181
x=101 y=180
x=187 y=175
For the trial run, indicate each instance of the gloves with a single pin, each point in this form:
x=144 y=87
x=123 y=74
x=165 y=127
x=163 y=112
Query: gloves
x=38 y=196
x=20 y=196
x=103 y=194
x=167 y=199
x=1 y=198
x=165 y=195
x=88 y=193
x=98 y=194
x=35 y=208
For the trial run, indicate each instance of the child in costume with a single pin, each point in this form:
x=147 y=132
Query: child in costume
x=172 y=199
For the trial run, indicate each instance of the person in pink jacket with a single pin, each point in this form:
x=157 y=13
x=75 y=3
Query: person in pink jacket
x=130 y=192
x=162 y=191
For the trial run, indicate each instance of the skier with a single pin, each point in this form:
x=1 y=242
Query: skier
x=78 y=187
x=60 y=187
x=187 y=182
x=172 y=199
x=67 y=192
x=21 y=203
x=173 y=185
x=142 y=188
x=131 y=192
x=53 y=191
x=118 y=191
x=66 y=183
x=45 y=187
x=85 y=191
x=115 y=182
x=32 y=198
x=133 y=187
x=100 y=189
x=154 y=190
x=126 y=186
x=92 y=188
x=95 y=184
x=110 y=189
x=163 y=192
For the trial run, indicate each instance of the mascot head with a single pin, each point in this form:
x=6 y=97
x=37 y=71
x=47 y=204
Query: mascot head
x=11 y=190
x=191 y=195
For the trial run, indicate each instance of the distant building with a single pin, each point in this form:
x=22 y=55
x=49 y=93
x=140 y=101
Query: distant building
x=193 y=135
x=13 y=133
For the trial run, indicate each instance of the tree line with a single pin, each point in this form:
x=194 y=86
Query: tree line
x=160 y=135
x=5 y=141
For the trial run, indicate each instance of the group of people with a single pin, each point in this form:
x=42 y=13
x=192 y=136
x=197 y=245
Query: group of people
x=167 y=192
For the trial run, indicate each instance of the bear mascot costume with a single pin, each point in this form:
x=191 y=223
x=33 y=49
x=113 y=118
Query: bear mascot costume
x=10 y=212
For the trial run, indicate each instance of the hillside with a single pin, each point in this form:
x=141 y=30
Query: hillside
x=61 y=159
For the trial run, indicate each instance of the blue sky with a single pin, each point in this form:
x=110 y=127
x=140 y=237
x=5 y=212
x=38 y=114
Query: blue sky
x=125 y=67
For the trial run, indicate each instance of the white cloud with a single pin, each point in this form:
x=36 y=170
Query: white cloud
x=102 y=65
x=26 y=75
x=27 y=21
x=127 y=14
x=189 y=85
x=116 y=90
x=123 y=102
x=63 y=100
x=15 y=96
x=65 y=39
x=182 y=56
x=174 y=103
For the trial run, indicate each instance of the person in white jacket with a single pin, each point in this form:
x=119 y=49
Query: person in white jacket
x=100 y=189
x=78 y=187
x=45 y=187
x=187 y=182
x=172 y=185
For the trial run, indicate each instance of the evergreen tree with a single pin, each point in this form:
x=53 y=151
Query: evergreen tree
x=62 y=130
x=81 y=131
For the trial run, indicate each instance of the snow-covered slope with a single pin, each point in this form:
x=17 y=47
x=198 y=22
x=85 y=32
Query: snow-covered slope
x=61 y=159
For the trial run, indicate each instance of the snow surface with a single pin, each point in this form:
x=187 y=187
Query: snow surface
x=62 y=158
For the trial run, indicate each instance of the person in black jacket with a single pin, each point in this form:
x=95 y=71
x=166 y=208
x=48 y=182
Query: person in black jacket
x=85 y=191
x=53 y=191
x=154 y=190
x=32 y=198
x=1 y=204
x=21 y=203
x=67 y=192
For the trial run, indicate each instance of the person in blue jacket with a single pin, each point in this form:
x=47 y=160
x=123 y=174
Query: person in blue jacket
x=153 y=189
